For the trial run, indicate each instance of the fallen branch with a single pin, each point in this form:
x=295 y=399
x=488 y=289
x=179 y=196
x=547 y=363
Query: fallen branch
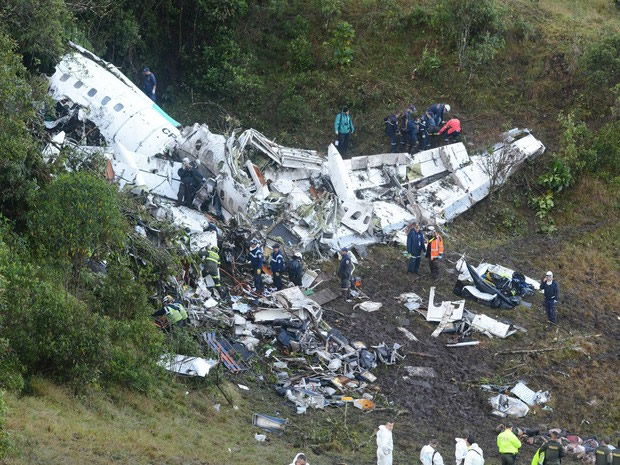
x=530 y=351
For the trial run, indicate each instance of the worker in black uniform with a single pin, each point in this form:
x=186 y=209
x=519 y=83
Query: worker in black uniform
x=345 y=273
x=602 y=454
x=255 y=257
x=277 y=266
x=191 y=180
x=296 y=269
x=554 y=452
x=391 y=130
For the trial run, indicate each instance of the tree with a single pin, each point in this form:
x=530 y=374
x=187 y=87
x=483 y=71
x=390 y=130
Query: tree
x=20 y=160
x=473 y=27
x=78 y=217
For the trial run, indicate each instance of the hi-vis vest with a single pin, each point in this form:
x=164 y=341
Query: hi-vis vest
x=436 y=245
x=213 y=256
x=175 y=313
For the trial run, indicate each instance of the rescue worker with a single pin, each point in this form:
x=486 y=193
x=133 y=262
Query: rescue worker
x=256 y=262
x=474 y=455
x=438 y=111
x=508 y=445
x=212 y=265
x=391 y=130
x=413 y=125
x=425 y=127
x=602 y=454
x=173 y=312
x=434 y=251
x=460 y=449
x=191 y=180
x=300 y=459
x=343 y=126
x=296 y=269
x=150 y=84
x=385 y=445
x=553 y=450
x=277 y=266
x=551 y=291
x=451 y=129
x=345 y=272
x=615 y=455
x=415 y=248
x=429 y=454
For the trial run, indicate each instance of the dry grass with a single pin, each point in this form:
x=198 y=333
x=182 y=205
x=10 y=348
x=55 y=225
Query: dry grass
x=53 y=427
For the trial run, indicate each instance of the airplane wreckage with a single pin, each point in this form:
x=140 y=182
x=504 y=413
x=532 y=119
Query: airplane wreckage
x=309 y=201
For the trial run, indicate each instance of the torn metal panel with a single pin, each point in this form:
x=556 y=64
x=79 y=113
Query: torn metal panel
x=119 y=109
x=269 y=423
x=262 y=191
x=339 y=175
x=324 y=296
x=285 y=156
x=436 y=313
x=357 y=215
x=392 y=217
x=489 y=325
x=188 y=366
x=528 y=396
x=201 y=241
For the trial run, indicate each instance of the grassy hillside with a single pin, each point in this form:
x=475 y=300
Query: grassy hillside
x=89 y=391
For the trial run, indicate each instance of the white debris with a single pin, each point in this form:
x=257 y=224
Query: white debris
x=411 y=300
x=504 y=405
x=436 y=313
x=492 y=327
x=187 y=366
x=528 y=396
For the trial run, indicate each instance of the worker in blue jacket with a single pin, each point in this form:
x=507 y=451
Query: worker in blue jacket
x=425 y=127
x=438 y=110
x=415 y=248
x=391 y=130
x=277 y=266
x=343 y=126
x=255 y=257
x=552 y=293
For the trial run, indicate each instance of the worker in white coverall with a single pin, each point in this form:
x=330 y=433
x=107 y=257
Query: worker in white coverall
x=429 y=455
x=300 y=459
x=460 y=449
x=474 y=454
x=385 y=446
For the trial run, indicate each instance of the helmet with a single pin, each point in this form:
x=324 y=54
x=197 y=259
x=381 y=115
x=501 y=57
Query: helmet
x=297 y=255
x=549 y=273
x=168 y=299
x=276 y=246
x=431 y=228
x=447 y=108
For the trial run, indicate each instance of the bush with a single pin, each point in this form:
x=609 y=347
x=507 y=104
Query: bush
x=600 y=68
x=429 y=63
x=341 y=44
x=606 y=146
x=471 y=24
x=300 y=53
x=293 y=110
x=78 y=217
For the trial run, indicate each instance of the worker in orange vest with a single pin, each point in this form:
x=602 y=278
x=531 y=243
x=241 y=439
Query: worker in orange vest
x=434 y=251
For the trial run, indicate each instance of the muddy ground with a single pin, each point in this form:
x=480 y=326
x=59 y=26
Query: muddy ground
x=581 y=371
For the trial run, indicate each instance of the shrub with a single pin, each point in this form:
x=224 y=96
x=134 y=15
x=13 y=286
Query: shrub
x=471 y=24
x=300 y=53
x=428 y=63
x=78 y=217
x=341 y=44
x=600 y=68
